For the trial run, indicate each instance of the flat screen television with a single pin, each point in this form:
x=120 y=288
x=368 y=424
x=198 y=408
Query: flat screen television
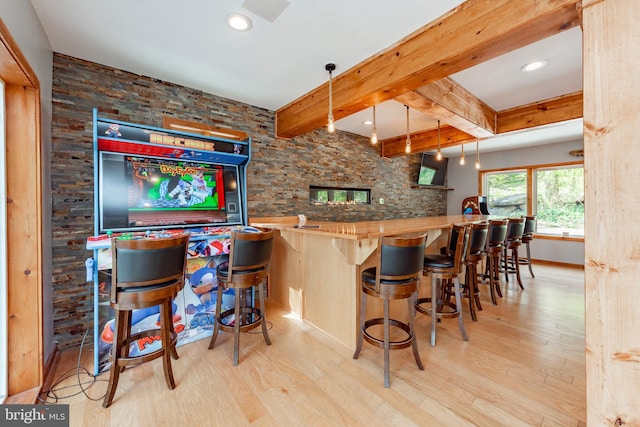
x=144 y=193
x=432 y=172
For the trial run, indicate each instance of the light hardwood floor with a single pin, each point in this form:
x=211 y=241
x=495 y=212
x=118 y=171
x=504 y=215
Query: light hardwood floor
x=524 y=365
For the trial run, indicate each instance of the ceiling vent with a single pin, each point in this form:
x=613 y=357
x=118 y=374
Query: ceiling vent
x=267 y=9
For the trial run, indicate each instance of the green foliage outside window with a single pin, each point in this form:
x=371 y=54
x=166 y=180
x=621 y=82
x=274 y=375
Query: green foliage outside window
x=558 y=199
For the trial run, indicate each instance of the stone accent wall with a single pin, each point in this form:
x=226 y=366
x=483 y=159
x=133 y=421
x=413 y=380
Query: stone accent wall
x=278 y=181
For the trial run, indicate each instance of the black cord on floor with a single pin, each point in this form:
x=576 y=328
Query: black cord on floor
x=52 y=395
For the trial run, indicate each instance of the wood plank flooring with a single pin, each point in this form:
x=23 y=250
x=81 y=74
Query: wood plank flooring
x=524 y=365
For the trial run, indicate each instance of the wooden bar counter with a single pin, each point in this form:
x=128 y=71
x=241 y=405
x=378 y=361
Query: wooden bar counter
x=315 y=272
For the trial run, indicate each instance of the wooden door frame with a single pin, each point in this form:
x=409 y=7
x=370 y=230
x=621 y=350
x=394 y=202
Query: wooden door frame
x=25 y=341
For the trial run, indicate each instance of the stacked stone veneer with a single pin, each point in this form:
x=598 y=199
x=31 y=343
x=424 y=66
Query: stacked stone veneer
x=278 y=181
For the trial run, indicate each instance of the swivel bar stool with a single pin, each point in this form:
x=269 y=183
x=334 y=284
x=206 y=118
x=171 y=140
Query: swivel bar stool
x=495 y=243
x=527 y=237
x=248 y=268
x=442 y=269
x=145 y=273
x=475 y=254
x=511 y=262
x=395 y=276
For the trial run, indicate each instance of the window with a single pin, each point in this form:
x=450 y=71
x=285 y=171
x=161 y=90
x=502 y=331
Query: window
x=338 y=196
x=554 y=193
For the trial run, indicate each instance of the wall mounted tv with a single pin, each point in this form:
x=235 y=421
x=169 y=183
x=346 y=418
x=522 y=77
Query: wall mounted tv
x=142 y=193
x=432 y=172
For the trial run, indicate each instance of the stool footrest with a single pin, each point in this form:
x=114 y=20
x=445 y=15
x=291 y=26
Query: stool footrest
x=439 y=314
x=393 y=345
x=256 y=313
x=137 y=360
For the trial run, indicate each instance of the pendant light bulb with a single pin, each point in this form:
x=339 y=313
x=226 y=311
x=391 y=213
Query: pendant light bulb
x=331 y=127
x=477 y=155
x=438 y=154
x=407 y=148
x=462 y=156
x=374 y=133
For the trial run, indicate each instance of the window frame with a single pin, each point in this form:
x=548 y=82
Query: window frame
x=349 y=192
x=530 y=171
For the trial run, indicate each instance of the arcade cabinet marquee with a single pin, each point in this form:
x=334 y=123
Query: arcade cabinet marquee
x=152 y=182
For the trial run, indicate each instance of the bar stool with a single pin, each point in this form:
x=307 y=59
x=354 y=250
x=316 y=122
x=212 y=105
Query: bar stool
x=495 y=243
x=395 y=276
x=511 y=264
x=145 y=273
x=248 y=268
x=527 y=237
x=442 y=269
x=475 y=254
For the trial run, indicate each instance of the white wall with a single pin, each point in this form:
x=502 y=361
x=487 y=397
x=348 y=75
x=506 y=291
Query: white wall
x=25 y=28
x=464 y=181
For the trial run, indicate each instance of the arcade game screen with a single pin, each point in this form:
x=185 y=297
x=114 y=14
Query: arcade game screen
x=138 y=192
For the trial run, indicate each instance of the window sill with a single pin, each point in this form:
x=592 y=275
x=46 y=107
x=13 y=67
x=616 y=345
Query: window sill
x=559 y=237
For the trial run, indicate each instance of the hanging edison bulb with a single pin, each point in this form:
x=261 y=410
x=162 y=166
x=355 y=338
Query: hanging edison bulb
x=374 y=133
x=438 y=154
x=331 y=127
x=407 y=147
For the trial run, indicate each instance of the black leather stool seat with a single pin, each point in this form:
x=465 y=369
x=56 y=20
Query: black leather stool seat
x=223 y=270
x=438 y=261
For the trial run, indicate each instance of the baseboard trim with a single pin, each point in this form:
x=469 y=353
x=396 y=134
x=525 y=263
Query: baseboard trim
x=557 y=264
x=49 y=372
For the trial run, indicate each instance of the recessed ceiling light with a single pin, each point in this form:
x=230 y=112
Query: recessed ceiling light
x=239 y=22
x=532 y=66
x=368 y=122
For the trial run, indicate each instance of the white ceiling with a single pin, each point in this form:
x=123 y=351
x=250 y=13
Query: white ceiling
x=188 y=43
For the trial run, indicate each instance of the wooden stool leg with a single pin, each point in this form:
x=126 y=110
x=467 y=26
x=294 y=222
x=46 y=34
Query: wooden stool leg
x=363 y=307
x=216 y=327
x=505 y=258
x=492 y=291
x=412 y=331
x=529 y=259
x=516 y=263
x=165 y=335
x=116 y=350
x=263 y=313
x=456 y=288
x=386 y=342
x=236 y=326
x=496 y=270
x=470 y=290
x=476 y=287
x=434 y=308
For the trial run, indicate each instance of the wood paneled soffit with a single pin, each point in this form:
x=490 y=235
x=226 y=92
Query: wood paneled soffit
x=447 y=101
x=545 y=112
x=469 y=34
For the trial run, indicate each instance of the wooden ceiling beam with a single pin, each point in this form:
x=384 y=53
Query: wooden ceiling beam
x=449 y=102
x=425 y=141
x=552 y=110
x=473 y=32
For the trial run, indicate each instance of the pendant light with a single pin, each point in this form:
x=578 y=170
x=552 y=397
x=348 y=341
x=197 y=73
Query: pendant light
x=374 y=133
x=438 y=154
x=407 y=147
x=477 y=155
x=331 y=127
x=462 y=156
